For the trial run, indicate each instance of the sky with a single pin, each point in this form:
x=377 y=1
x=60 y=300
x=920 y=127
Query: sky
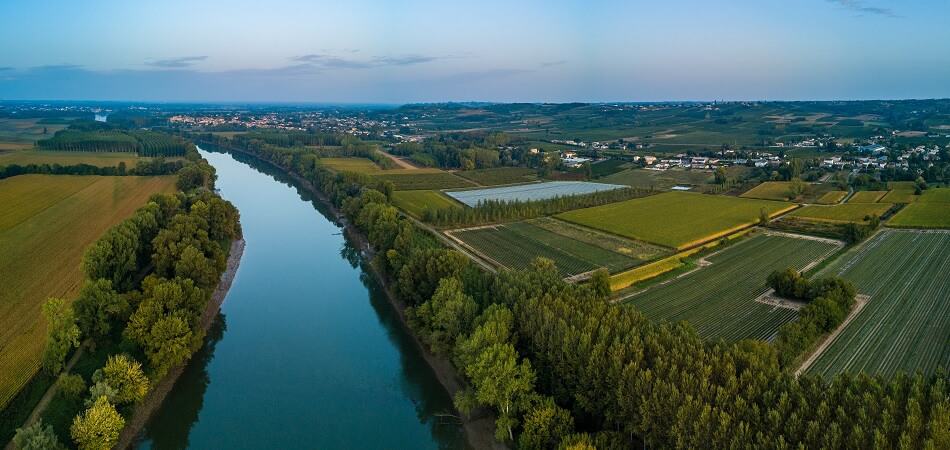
x=375 y=51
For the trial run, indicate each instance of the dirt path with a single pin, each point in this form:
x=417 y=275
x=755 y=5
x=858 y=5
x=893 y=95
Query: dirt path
x=403 y=164
x=860 y=301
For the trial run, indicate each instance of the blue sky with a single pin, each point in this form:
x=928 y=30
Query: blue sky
x=425 y=51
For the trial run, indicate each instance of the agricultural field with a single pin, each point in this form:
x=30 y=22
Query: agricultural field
x=905 y=324
x=358 y=165
x=846 y=212
x=666 y=179
x=45 y=226
x=420 y=179
x=516 y=245
x=528 y=192
x=770 y=190
x=832 y=197
x=19 y=134
x=416 y=202
x=936 y=195
x=718 y=298
x=900 y=196
x=932 y=210
x=500 y=175
x=601 y=169
x=867 y=196
x=676 y=219
x=98 y=159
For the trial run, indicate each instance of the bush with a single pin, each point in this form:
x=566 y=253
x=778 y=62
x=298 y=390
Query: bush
x=71 y=386
x=36 y=437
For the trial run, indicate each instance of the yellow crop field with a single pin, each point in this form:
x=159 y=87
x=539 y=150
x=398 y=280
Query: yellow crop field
x=46 y=223
x=99 y=159
x=900 y=196
x=416 y=202
x=832 y=197
x=847 y=212
x=359 y=165
x=867 y=197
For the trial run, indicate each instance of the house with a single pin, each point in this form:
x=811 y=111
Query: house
x=649 y=160
x=574 y=162
x=534 y=151
x=872 y=148
x=568 y=155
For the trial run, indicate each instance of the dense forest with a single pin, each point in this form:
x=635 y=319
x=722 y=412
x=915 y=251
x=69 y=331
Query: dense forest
x=562 y=367
x=86 y=137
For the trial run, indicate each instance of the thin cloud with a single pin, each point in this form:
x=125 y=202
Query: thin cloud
x=553 y=63
x=176 y=63
x=328 y=61
x=862 y=8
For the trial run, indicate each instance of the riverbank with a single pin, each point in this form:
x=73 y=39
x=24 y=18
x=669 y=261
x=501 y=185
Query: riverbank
x=480 y=427
x=145 y=410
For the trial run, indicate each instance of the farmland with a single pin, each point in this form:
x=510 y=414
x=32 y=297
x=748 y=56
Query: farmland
x=923 y=214
x=900 y=196
x=411 y=179
x=664 y=180
x=99 y=159
x=867 y=196
x=500 y=175
x=528 y=192
x=516 y=245
x=675 y=219
x=45 y=225
x=18 y=134
x=359 y=165
x=832 y=197
x=719 y=299
x=770 y=190
x=847 y=212
x=906 y=322
x=936 y=195
x=416 y=202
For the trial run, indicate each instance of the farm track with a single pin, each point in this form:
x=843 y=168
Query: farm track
x=719 y=300
x=906 y=324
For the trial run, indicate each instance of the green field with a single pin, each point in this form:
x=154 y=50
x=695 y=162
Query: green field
x=516 y=245
x=98 y=159
x=770 y=190
x=607 y=167
x=675 y=219
x=905 y=326
x=358 y=165
x=846 y=212
x=930 y=215
x=936 y=195
x=867 y=196
x=719 y=299
x=500 y=175
x=900 y=196
x=408 y=179
x=46 y=223
x=832 y=197
x=17 y=134
x=416 y=202
x=657 y=179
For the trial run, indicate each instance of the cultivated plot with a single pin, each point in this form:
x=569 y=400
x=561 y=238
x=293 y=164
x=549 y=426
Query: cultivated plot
x=500 y=175
x=905 y=326
x=98 y=159
x=46 y=223
x=676 y=219
x=931 y=210
x=867 y=196
x=718 y=299
x=529 y=192
x=417 y=202
x=845 y=212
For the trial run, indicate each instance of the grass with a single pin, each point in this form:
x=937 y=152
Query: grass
x=922 y=215
x=718 y=300
x=867 y=196
x=516 y=245
x=607 y=167
x=656 y=179
x=359 y=165
x=676 y=219
x=98 y=159
x=847 y=212
x=905 y=324
x=770 y=190
x=45 y=226
x=416 y=202
x=832 y=197
x=899 y=196
x=500 y=175
x=936 y=195
x=409 y=179
x=17 y=133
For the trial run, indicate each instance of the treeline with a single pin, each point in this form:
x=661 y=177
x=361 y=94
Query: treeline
x=493 y=211
x=562 y=367
x=156 y=166
x=294 y=139
x=829 y=300
x=297 y=156
x=142 y=142
x=147 y=282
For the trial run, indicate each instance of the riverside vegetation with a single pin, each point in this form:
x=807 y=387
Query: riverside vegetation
x=562 y=367
x=148 y=280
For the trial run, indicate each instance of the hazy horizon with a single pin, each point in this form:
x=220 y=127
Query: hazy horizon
x=373 y=52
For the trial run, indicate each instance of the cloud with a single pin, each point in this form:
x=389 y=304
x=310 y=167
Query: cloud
x=176 y=63
x=553 y=63
x=861 y=8
x=328 y=61
x=5 y=69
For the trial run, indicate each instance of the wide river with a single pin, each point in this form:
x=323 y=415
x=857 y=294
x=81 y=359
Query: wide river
x=307 y=352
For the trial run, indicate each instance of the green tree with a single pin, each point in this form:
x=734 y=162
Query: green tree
x=98 y=307
x=501 y=382
x=445 y=317
x=62 y=334
x=70 y=386
x=545 y=425
x=193 y=264
x=36 y=437
x=720 y=175
x=600 y=283
x=98 y=427
x=125 y=375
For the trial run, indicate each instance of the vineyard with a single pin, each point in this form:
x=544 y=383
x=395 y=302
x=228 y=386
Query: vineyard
x=718 y=299
x=416 y=202
x=45 y=226
x=867 y=196
x=406 y=179
x=500 y=175
x=832 y=197
x=846 y=212
x=516 y=245
x=906 y=323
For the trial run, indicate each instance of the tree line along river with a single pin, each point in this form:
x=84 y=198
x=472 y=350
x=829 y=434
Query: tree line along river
x=307 y=352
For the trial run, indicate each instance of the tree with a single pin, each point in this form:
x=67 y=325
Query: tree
x=98 y=427
x=796 y=188
x=501 y=382
x=193 y=264
x=98 y=307
x=125 y=375
x=763 y=217
x=600 y=283
x=36 y=437
x=720 y=175
x=70 y=386
x=447 y=316
x=62 y=334
x=545 y=425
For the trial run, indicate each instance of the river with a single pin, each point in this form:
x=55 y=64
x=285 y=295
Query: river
x=307 y=352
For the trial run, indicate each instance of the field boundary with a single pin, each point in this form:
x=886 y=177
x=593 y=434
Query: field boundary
x=860 y=301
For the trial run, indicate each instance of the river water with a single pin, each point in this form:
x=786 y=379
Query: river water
x=307 y=352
